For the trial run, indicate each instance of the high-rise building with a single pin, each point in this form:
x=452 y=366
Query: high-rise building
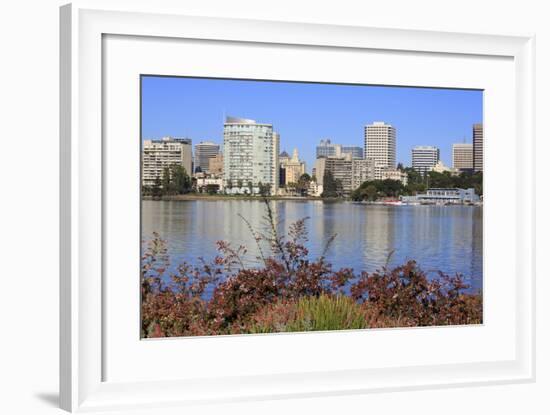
x=355 y=151
x=249 y=157
x=463 y=156
x=326 y=149
x=380 y=145
x=159 y=154
x=339 y=167
x=276 y=169
x=215 y=165
x=293 y=168
x=362 y=170
x=424 y=158
x=477 y=139
x=204 y=151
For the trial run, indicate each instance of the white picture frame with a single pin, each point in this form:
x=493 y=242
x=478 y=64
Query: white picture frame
x=84 y=27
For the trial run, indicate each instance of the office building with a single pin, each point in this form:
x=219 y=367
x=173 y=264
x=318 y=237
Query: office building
x=204 y=151
x=424 y=158
x=477 y=139
x=380 y=145
x=159 y=154
x=328 y=149
x=355 y=151
x=215 y=165
x=249 y=156
x=463 y=156
x=293 y=168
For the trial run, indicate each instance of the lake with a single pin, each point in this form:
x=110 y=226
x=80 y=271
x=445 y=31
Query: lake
x=438 y=238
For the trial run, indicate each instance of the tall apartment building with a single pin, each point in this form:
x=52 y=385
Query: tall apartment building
x=424 y=158
x=463 y=157
x=355 y=151
x=293 y=168
x=362 y=170
x=158 y=154
x=380 y=145
x=477 y=139
x=248 y=155
x=327 y=149
x=276 y=169
x=204 y=151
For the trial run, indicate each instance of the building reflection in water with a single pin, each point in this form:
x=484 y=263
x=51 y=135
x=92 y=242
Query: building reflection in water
x=446 y=238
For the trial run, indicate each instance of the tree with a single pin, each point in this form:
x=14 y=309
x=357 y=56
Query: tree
x=166 y=181
x=303 y=184
x=250 y=187
x=181 y=182
x=239 y=184
x=330 y=185
x=156 y=189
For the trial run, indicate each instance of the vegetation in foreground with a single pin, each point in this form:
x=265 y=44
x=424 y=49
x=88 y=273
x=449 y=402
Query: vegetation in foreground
x=291 y=291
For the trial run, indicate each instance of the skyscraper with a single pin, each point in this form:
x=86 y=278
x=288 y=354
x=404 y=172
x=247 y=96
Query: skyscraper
x=380 y=145
x=327 y=149
x=477 y=139
x=424 y=158
x=249 y=156
x=463 y=156
x=204 y=151
x=159 y=154
x=355 y=151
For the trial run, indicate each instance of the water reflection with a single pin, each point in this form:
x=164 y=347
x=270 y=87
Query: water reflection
x=446 y=238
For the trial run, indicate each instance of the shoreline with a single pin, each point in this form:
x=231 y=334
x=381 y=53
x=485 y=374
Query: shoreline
x=214 y=198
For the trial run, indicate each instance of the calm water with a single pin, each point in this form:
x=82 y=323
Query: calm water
x=446 y=238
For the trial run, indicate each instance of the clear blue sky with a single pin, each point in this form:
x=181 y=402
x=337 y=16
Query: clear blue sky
x=304 y=113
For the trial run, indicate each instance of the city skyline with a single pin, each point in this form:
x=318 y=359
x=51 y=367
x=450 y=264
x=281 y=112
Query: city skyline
x=195 y=108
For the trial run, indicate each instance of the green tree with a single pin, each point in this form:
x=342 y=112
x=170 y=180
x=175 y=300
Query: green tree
x=303 y=184
x=166 y=181
x=156 y=189
x=250 y=186
x=330 y=185
x=181 y=182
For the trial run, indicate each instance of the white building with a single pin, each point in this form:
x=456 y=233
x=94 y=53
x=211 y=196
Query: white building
x=394 y=174
x=441 y=168
x=249 y=155
x=424 y=158
x=477 y=140
x=159 y=154
x=204 y=151
x=463 y=157
x=380 y=145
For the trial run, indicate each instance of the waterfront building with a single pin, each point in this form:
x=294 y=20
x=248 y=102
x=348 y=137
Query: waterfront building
x=424 y=158
x=390 y=173
x=215 y=165
x=293 y=168
x=440 y=167
x=355 y=151
x=248 y=155
x=204 y=151
x=159 y=154
x=276 y=167
x=380 y=145
x=206 y=182
x=463 y=156
x=477 y=139
x=328 y=149
x=444 y=196
x=362 y=170
x=341 y=169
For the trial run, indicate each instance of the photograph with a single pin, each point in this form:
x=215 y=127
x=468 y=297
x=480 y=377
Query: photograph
x=272 y=206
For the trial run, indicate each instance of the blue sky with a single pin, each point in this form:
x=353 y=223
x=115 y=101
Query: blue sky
x=305 y=113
